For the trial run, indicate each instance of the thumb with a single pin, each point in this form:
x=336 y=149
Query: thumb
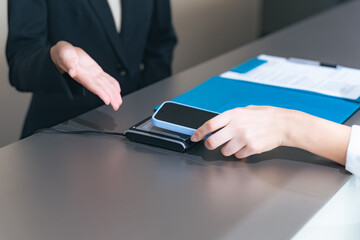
x=70 y=60
x=72 y=72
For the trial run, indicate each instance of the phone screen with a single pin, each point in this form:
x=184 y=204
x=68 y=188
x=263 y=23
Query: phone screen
x=183 y=115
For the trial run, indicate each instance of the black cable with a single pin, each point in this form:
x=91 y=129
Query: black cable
x=89 y=132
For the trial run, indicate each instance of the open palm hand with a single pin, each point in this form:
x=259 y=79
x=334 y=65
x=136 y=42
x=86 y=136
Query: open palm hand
x=83 y=69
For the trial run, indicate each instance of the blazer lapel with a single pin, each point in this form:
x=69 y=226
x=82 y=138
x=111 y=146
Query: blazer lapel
x=104 y=14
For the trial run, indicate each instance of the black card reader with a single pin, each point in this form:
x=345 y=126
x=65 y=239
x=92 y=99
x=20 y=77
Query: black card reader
x=145 y=132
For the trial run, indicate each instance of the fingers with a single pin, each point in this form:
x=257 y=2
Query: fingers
x=103 y=88
x=112 y=91
x=116 y=90
x=100 y=92
x=232 y=147
x=244 y=153
x=107 y=88
x=113 y=81
x=104 y=91
x=245 y=131
x=210 y=126
x=219 y=138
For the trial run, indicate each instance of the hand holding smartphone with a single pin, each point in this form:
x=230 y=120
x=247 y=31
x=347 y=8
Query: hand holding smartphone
x=181 y=118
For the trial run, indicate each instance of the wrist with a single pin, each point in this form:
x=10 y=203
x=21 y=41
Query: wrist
x=316 y=135
x=294 y=125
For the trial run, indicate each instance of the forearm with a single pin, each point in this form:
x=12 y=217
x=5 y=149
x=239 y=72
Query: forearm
x=316 y=135
x=33 y=70
x=28 y=48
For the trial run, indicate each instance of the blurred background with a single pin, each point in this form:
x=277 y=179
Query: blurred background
x=205 y=28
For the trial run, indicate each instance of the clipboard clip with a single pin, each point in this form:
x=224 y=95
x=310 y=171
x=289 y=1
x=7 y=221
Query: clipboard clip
x=313 y=63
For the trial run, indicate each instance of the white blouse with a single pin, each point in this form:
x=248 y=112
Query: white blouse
x=115 y=6
x=353 y=152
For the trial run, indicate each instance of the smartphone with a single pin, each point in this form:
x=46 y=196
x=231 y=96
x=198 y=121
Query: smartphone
x=181 y=118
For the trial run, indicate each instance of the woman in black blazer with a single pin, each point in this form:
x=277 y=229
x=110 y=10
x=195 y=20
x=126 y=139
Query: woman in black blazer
x=70 y=56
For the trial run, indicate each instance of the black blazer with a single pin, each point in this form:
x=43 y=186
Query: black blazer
x=140 y=55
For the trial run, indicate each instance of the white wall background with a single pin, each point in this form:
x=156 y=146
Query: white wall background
x=206 y=28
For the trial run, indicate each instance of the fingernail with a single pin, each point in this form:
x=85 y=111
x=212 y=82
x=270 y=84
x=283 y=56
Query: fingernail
x=194 y=138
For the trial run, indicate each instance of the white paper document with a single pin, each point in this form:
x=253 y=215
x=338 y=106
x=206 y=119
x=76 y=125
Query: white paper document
x=339 y=82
